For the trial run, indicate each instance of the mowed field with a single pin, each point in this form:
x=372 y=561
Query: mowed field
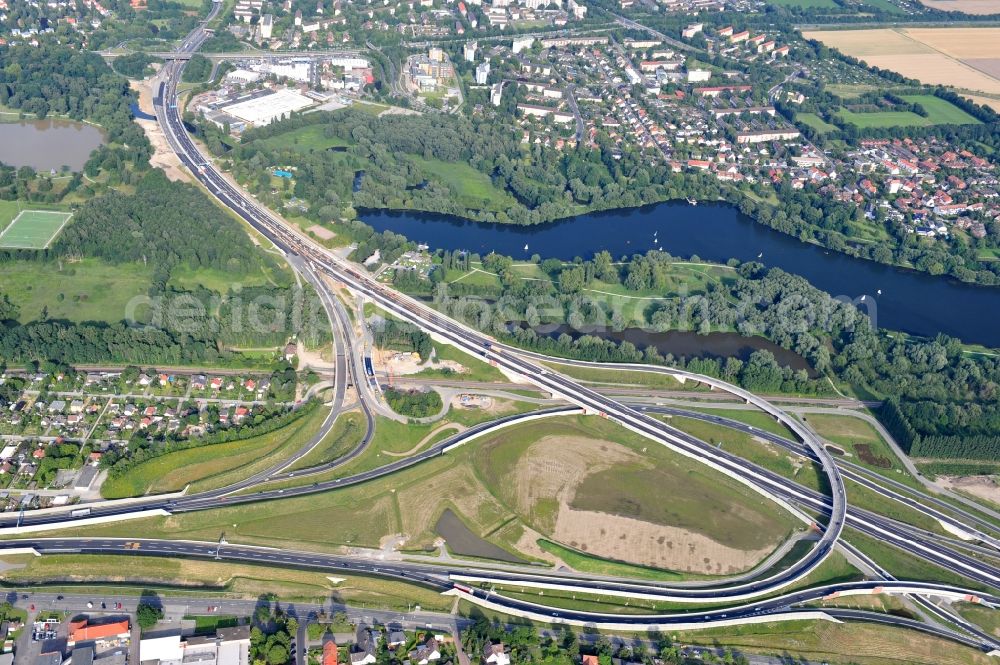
x=33 y=229
x=963 y=58
x=939 y=112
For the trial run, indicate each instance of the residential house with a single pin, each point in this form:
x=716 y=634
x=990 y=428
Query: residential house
x=495 y=654
x=426 y=652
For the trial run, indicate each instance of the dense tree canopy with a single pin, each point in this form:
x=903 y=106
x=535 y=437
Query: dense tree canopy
x=54 y=79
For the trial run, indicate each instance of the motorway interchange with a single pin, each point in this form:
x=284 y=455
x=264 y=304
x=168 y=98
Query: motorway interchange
x=763 y=598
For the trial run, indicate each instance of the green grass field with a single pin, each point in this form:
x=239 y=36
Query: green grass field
x=860 y=439
x=806 y=4
x=215 y=465
x=305 y=139
x=470 y=187
x=33 y=229
x=412 y=500
x=939 y=112
x=90 y=290
x=816 y=122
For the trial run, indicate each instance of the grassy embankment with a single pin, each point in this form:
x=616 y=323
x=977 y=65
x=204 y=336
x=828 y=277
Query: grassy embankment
x=76 y=572
x=214 y=465
x=473 y=482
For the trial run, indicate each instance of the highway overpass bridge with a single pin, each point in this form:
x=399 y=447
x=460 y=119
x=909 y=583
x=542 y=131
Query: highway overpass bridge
x=236 y=55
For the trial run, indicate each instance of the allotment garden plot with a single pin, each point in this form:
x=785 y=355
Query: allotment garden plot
x=33 y=229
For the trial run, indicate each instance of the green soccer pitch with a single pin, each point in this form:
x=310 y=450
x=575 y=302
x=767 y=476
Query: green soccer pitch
x=33 y=229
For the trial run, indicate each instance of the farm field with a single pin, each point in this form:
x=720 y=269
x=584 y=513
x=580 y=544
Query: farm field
x=494 y=486
x=956 y=57
x=806 y=4
x=977 y=7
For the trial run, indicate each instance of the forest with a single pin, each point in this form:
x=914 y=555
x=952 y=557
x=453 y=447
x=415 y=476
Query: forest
x=163 y=224
x=398 y=156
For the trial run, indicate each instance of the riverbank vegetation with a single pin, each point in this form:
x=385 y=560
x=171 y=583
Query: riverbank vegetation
x=834 y=337
x=393 y=162
x=58 y=80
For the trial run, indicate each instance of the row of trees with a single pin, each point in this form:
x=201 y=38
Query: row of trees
x=564 y=647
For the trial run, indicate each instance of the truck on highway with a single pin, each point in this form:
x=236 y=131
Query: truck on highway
x=80 y=512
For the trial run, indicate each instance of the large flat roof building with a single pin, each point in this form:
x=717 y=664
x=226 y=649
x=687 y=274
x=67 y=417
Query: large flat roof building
x=264 y=110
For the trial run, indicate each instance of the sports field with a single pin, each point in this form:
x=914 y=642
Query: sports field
x=33 y=229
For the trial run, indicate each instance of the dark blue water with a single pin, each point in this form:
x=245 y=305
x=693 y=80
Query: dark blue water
x=913 y=302
x=140 y=114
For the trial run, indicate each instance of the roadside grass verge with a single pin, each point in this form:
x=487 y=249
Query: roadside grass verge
x=824 y=641
x=862 y=441
x=907 y=566
x=345 y=434
x=585 y=563
x=763 y=453
x=212 y=465
x=77 y=572
x=621 y=377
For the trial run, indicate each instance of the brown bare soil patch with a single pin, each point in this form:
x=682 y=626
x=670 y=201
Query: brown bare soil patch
x=549 y=475
x=163 y=157
x=984 y=487
x=864 y=451
x=646 y=544
x=321 y=232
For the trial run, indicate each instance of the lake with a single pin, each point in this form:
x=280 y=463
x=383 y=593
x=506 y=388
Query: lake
x=910 y=301
x=48 y=144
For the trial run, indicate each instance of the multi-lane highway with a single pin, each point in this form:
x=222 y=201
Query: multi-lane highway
x=315 y=263
x=321 y=261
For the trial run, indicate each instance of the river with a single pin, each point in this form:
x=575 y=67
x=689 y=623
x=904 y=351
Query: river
x=910 y=301
x=48 y=144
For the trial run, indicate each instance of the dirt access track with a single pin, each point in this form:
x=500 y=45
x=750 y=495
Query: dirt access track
x=163 y=157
